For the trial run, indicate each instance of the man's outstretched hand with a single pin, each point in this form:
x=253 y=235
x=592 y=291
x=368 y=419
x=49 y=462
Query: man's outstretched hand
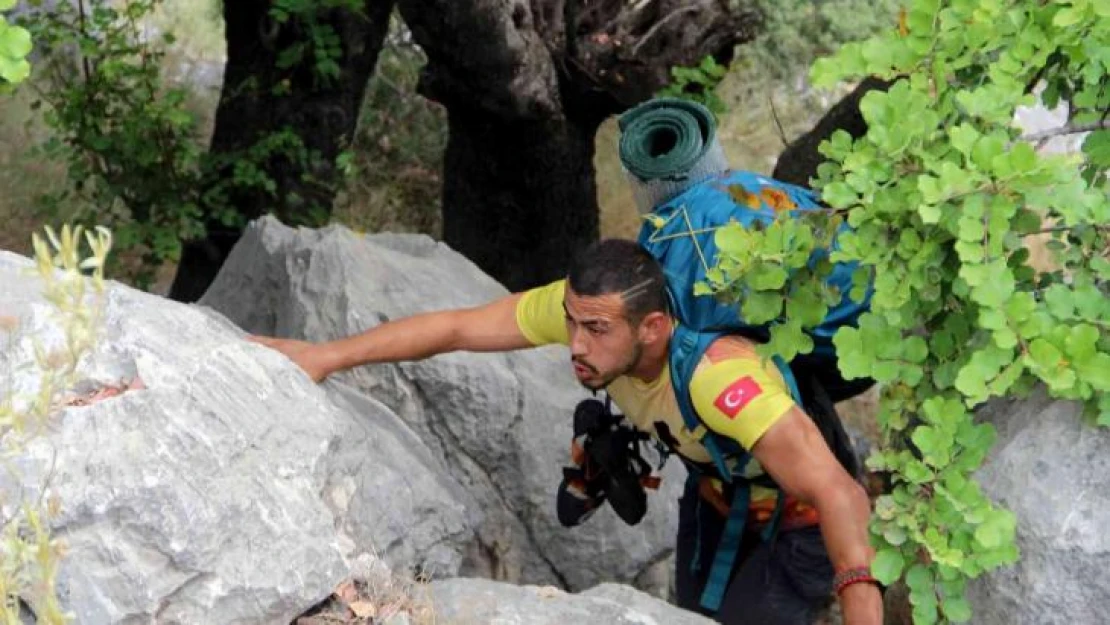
x=310 y=357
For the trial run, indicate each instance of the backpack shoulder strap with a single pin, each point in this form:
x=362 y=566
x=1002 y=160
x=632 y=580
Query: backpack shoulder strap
x=686 y=349
x=788 y=377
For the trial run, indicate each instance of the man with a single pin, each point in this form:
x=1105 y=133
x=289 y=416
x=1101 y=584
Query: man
x=612 y=313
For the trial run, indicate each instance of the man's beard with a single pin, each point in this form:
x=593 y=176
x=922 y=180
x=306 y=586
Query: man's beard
x=633 y=362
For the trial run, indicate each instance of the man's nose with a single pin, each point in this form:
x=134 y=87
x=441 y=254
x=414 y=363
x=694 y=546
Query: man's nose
x=578 y=343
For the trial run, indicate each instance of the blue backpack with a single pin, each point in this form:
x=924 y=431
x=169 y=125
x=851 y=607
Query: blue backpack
x=680 y=234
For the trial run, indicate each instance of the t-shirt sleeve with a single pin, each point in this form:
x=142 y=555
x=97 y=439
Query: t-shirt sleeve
x=739 y=398
x=540 y=315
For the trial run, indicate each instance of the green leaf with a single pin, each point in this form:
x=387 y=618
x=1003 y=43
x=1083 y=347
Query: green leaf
x=916 y=349
x=894 y=534
x=7 y=4
x=986 y=150
x=1068 y=17
x=14 y=71
x=1060 y=301
x=837 y=146
x=1097 y=147
x=996 y=530
x=1045 y=355
x=957 y=609
x=963 y=137
x=887 y=566
x=1026 y=222
x=919 y=578
x=805 y=306
x=839 y=195
x=733 y=239
x=15 y=42
x=997 y=290
x=917 y=472
x=1096 y=371
x=1091 y=303
x=970 y=228
x=1081 y=343
x=930 y=213
x=930 y=188
x=924 y=607
x=762 y=306
x=1022 y=158
x=1104 y=410
x=767 y=277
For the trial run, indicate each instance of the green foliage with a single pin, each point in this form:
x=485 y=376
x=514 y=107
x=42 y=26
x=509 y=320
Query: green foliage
x=942 y=193
x=133 y=151
x=15 y=45
x=128 y=143
x=249 y=168
x=698 y=83
x=316 y=40
x=766 y=271
x=29 y=555
x=793 y=34
x=796 y=32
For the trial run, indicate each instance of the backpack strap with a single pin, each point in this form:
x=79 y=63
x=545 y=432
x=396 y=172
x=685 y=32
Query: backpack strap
x=727 y=549
x=687 y=348
x=788 y=376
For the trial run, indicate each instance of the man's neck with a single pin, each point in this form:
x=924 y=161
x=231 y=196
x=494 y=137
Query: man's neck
x=653 y=360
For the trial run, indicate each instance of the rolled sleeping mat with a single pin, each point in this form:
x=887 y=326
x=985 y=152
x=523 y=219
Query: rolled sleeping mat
x=668 y=145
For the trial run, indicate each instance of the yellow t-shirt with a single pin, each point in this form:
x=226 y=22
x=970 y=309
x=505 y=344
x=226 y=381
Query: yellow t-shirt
x=735 y=392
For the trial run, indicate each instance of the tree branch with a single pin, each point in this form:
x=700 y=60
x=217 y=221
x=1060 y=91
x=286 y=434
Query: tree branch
x=660 y=24
x=1097 y=227
x=778 y=122
x=1070 y=129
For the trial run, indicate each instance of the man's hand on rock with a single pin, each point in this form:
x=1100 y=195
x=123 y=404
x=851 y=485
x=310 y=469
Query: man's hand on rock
x=310 y=357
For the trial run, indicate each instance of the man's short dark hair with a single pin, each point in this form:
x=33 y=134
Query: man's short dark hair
x=624 y=267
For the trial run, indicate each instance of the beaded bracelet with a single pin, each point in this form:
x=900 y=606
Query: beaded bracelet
x=852 y=576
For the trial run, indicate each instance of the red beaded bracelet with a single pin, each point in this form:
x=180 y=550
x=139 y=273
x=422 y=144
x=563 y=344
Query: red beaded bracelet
x=846 y=578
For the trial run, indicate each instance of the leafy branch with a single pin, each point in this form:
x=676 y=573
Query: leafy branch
x=940 y=196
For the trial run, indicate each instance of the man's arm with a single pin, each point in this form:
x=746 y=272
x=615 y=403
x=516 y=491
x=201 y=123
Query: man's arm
x=795 y=454
x=492 y=327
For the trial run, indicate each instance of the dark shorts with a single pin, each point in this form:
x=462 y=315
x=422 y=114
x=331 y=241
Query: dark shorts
x=787 y=581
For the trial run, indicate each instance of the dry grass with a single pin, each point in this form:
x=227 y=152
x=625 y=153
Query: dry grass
x=382 y=597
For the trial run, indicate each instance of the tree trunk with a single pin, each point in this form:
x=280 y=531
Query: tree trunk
x=285 y=118
x=798 y=162
x=494 y=166
x=526 y=84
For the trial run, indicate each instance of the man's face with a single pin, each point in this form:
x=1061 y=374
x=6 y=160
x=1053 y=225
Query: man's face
x=603 y=344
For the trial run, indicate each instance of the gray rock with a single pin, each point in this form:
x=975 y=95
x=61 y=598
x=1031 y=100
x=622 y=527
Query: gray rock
x=463 y=601
x=500 y=424
x=231 y=489
x=1050 y=468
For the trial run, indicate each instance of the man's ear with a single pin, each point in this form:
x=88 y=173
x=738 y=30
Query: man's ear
x=655 y=326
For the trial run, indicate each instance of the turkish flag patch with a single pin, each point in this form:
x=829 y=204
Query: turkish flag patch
x=738 y=395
